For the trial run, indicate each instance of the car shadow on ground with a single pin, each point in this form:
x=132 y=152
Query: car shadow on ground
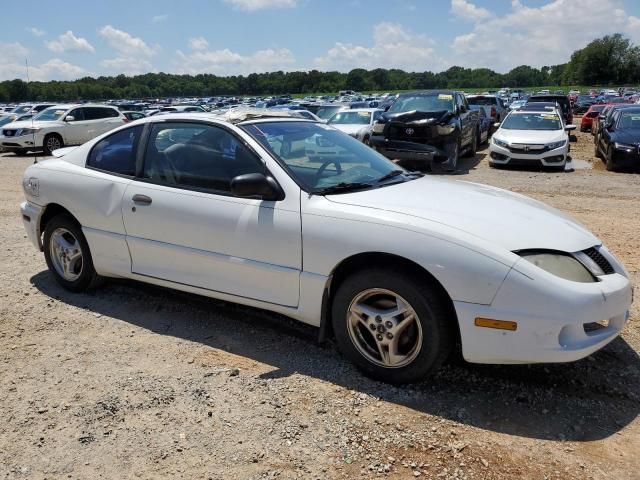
x=582 y=401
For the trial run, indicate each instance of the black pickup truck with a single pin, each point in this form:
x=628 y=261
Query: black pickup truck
x=427 y=130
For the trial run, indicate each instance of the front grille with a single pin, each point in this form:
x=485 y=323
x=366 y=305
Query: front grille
x=529 y=149
x=602 y=262
x=400 y=132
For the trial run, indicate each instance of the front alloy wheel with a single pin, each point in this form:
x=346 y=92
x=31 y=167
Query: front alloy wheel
x=384 y=328
x=66 y=254
x=392 y=327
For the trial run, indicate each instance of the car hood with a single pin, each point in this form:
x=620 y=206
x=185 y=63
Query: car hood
x=497 y=216
x=28 y=124
x=350 y=129
x=628 y=135
x=530 y=136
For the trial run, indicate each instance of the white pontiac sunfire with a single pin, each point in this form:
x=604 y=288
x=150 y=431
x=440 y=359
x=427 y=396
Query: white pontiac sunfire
x=397 y=266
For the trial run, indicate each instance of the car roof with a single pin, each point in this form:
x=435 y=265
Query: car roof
x=362 y=110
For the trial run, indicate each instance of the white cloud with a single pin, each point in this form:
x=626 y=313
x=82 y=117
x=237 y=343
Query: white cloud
x=468 y=11
x=253 y=5
x=36 y=32
x=226 y=62
x=393 y=47
x=159 y=18
x=12 y=65
x=538 y=36
x=127 y=66
x=198 y=43
x=68 y=42
x=57 y=69
x=125 y=43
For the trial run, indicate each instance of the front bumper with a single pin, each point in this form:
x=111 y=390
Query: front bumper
x=551 y=158
x=401 y=150
x=627 y=158
x=20 y=143
x=554 y=318
x=31 y=214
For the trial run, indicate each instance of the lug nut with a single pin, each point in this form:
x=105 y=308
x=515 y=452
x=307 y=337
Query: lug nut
x=388 y=324
x=379 y=319
x=379 y=336
x=389 y=335
x=372 y=327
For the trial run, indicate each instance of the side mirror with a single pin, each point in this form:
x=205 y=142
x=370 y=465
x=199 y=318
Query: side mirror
x=496 y=124
x=569 y=128
x=69 y=118
x=256 y=185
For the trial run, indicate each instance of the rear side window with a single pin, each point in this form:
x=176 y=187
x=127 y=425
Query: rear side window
x=117 y=152
x=96 y=113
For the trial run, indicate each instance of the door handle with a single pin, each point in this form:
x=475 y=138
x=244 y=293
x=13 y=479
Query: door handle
x=141 y=199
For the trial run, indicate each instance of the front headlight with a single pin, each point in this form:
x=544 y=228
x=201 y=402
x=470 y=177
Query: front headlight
x=378 y=127
x=561 y=265
x=624 y=146
x=554 y=145
x=500 y=143
x=31 y=186
x=26 y=131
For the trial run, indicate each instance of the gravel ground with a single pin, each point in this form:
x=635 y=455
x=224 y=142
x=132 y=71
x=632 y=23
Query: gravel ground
x=137 y=381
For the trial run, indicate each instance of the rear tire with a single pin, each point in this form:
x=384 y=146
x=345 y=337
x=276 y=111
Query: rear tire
x=67 y=254
x=413 y=333
x=596 y=151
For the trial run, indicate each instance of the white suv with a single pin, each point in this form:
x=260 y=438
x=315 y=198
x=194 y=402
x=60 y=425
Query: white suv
x=60 y=125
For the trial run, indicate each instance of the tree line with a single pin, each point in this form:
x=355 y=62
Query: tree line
x=610 y=60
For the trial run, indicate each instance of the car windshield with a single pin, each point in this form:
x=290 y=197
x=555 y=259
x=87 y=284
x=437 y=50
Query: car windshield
x=22 y=109
x=50 y=114
x=350 y=118
x=629 y=120
x=532 y=121
x=321 y=158
x=423 y=103
x=6 y=119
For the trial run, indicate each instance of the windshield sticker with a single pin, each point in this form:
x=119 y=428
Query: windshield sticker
x=549 y=117
x=444 y=96
x=59 y=112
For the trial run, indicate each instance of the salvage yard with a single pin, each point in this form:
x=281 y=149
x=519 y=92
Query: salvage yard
x=135 y=381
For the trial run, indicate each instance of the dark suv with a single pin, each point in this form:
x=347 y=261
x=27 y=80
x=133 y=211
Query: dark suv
x=424 y=128
x=562 y=100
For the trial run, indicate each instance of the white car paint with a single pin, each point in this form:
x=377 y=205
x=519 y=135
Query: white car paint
x=509 y=146
x=281 y=255
x=357 y=130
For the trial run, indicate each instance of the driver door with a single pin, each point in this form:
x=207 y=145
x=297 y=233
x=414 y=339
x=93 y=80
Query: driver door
x=75 y=130
x=184 y=225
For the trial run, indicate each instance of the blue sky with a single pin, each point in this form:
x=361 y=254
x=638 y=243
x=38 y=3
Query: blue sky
x=70 y=39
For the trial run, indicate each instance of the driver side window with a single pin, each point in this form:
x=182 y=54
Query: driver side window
x=197 y=156
x=77 y=114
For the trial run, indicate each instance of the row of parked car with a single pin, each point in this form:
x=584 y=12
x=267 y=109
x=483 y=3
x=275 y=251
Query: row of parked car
x=426 y=130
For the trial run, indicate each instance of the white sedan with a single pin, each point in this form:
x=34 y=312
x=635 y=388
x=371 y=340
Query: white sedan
x=529 y=138
x=398 y=267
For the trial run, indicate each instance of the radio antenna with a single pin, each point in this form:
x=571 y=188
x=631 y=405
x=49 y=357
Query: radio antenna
x=33 y=134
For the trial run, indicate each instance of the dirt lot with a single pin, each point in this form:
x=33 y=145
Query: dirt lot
x=136 y=381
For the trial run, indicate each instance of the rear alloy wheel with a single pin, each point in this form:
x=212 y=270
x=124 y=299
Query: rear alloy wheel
x=389 y=328
x=67 y=254
x=51 y=143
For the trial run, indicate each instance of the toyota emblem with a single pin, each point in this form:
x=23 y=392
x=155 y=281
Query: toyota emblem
x=526 y=148
x=409 y=131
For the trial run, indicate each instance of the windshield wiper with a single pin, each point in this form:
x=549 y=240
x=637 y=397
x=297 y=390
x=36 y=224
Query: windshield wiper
x=391 y=174
x=342 y=187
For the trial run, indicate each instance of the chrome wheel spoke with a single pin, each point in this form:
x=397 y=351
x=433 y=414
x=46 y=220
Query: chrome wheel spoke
x=387 y=317
x=65 y=254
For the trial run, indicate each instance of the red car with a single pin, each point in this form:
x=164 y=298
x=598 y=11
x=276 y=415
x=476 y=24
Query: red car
x=587 y=118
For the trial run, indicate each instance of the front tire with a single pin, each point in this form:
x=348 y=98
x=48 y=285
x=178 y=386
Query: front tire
x=51 y=143
x=609 y=164
x=67 y=254
x=389 y=328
